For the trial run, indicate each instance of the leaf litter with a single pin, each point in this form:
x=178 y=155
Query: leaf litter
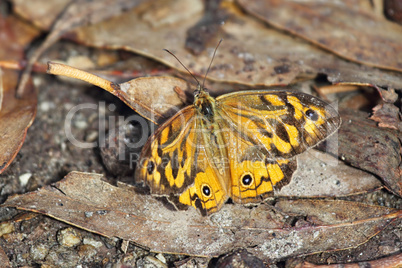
x=286 y=72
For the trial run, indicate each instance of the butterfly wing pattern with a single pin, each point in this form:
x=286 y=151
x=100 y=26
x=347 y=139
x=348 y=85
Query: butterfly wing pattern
x=241 y=145
x=271 y=128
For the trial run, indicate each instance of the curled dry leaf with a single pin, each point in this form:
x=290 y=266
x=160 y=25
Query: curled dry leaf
x=387 y=114
x=251 y=53
x=348 y=30
x=85 y=200
x=155 y=98
x=16 y=114
x=378 y=150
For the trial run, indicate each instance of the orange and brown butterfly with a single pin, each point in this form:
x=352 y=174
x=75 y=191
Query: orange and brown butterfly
x=241 y=145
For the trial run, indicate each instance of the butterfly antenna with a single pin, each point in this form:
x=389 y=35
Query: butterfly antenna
x=209 y=67
x=182 y=65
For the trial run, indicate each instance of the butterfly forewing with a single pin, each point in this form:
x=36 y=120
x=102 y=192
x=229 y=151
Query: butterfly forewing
x=283 y=123
x=166 y=159
x=176 y=162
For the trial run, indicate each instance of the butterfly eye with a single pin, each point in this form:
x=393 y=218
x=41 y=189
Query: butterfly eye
x=247 y=180
x=206 y=190
x=312 y=114
x=151 y=167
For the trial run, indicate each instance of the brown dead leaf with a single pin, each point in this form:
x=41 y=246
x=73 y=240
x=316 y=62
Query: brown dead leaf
x=84 y=200
x=347 y=30
x=364 y=145
x=251 y=53
x=16 y=115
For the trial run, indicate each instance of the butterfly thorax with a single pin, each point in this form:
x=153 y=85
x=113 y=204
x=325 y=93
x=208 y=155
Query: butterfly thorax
x=205 y=104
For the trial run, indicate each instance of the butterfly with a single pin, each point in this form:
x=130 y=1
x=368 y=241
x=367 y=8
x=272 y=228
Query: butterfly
x=240 y=145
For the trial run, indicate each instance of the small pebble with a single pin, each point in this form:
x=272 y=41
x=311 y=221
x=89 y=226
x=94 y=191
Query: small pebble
x=86 y=251
x=60 y=256
x=6 y=228
x=92 y=242
x=39 y=252
x=80 y=123
x=161 y=257
x=24 y=178
x=129 y=259
x=150 y=262
x=68 y=237
x=45 y=106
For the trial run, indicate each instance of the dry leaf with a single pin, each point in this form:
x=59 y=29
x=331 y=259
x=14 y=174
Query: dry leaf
x=347 y=30
x=84 y=200
x=16 y=115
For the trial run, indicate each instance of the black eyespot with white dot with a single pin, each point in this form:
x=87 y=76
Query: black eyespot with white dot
x=312 y=115
x=206 y=191
x=151 y=167
x=247 y=180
